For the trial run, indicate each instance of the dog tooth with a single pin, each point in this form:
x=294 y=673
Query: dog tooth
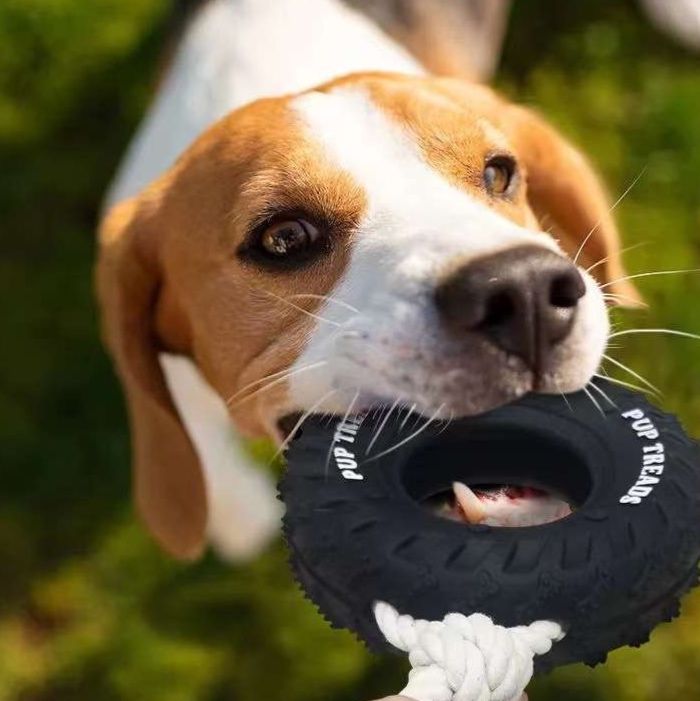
x=473 y=509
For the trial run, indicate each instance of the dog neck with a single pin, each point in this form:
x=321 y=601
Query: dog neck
x=236 y=51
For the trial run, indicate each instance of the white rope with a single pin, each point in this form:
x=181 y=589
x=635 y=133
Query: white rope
x=466 y=658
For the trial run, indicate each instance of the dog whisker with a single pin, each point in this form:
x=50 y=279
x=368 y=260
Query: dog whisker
x=326 y=298
x=613 y=297
x=597 y=263
x=291 y=372
x=259 y=381
x=447 y=423
x=299 y=424
x=650 y=274
x=603 y=394
x=669 y=332
x=317 y=317
x=612 y=209
x=419 y=417
x=546 y=220
x=629 y=370
x=628 y=385
x=413 y=435
x=595 y=403
x=381 y=426
x=585 y=241
x=408 y=415
x=607 y=258
x=629 y=189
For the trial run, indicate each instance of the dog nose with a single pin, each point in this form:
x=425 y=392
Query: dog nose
x=524 y=300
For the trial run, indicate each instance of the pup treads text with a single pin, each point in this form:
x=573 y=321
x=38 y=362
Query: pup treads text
x=343 y=451
x=653 y=457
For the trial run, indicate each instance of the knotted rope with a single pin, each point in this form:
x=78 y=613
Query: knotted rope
x=466 y=658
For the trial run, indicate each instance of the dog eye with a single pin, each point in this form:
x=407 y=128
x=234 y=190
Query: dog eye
x=288 y=238
x=499 y=175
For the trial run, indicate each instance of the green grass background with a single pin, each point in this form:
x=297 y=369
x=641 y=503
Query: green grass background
x=89 y=609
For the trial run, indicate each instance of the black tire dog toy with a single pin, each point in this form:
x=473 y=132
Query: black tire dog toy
x=357 y=531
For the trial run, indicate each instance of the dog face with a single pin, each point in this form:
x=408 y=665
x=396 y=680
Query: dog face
x=375 y=240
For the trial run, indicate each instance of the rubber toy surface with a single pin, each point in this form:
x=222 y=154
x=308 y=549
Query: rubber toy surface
x=358 y=530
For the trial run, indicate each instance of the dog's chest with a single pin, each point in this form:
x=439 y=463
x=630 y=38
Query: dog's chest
x=236 y=51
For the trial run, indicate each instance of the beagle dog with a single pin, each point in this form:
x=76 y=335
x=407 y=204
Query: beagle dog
x=309 y=221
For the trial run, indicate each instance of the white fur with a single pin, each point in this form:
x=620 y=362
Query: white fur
x=237 y=51
x=417 y=225
x=243 y=511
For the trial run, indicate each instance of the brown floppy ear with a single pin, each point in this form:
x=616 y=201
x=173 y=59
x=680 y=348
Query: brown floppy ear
x=566 y=194
x=168 y=481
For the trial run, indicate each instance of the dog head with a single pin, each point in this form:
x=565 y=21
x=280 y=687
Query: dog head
x=373 y=241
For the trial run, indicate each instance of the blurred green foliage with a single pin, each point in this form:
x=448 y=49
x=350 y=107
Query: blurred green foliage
x=89 y=609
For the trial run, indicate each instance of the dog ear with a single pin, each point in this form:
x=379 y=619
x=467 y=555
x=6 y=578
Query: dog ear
x=565 y=194
x=168 y=481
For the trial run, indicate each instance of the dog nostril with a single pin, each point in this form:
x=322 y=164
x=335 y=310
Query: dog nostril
x=566 y=290
x=500 y=308
x=523 y=300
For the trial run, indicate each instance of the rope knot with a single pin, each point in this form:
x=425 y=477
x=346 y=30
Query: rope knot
x=466 y=658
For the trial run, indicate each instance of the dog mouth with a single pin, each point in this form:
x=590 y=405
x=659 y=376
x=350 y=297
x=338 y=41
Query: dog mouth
x=480 y=498
x=499 y=505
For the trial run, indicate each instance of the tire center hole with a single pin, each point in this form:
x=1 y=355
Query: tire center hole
x=509 y=477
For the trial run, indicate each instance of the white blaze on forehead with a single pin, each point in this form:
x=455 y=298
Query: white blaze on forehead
x=360 y=139
x=406 y=196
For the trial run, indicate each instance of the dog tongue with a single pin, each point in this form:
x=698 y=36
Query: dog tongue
x=508 y=505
